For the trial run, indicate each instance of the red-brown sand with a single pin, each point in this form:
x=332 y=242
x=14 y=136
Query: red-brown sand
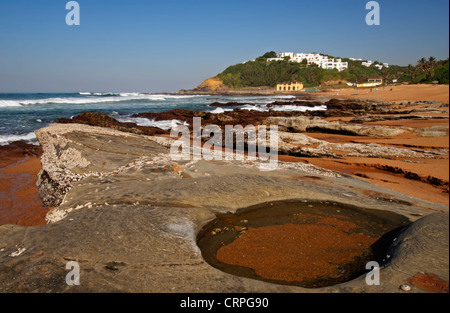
x=292 y=252
x=426 y=178
x=398 y=93
x=19 y=199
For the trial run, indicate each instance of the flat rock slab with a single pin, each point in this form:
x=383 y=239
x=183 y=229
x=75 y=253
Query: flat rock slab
x=132 y=224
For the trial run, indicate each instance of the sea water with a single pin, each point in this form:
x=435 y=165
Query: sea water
x=23 y=113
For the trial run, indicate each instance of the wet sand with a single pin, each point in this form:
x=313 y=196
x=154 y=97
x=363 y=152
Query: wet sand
x=295 y=252
x=308 y=244
x=426 y=178
x=19 y=199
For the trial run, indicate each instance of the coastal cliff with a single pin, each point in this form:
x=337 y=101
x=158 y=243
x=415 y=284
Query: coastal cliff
x=211 y=84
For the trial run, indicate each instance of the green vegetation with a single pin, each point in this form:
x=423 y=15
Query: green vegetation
x=260 y=73
x=429 y=71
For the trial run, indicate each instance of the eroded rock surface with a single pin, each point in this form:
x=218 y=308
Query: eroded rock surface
x=129 y=215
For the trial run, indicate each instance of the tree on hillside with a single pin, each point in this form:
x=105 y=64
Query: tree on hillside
x=430 y=70
x=386 y=75
x=362 y=79
x=426 y=67
x=431 y=64
x=421 y=65
x=411 y=71
x=269 y=55
x=441 y=72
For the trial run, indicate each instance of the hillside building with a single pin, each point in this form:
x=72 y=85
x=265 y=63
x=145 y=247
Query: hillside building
x=312 y=58
x=293 y=86
x=371 y=82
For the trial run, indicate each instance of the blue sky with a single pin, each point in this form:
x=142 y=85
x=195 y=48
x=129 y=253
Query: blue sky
x=155 y=46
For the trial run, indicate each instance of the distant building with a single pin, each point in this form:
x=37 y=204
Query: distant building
x=371 y=82
x=293 y=86
x=331 y=64
x=286 y=54
x=375 y=80
x=312 y=58
x=378 y=66
x=322 y=61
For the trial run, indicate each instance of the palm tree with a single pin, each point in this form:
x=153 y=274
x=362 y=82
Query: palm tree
x=431 y=65
x=411 y=71
x=386 y=75
x=421 y=65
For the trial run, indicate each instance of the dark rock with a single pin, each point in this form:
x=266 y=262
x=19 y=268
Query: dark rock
x=102 y=120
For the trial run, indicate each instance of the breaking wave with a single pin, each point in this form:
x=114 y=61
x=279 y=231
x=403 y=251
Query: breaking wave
x=166 y=124
x=92 y=98
x=7 y=139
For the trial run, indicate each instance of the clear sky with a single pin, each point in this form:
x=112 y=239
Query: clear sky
x=156 y=46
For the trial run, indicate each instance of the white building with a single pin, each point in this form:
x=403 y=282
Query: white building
x=286 y=54
x=378 y=66
x=312 y=58
x=322 y=61
x=331 y=64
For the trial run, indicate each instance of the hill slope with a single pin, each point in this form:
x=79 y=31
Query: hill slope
x=260 y=73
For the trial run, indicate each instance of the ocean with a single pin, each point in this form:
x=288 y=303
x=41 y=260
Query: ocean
x=23 y=113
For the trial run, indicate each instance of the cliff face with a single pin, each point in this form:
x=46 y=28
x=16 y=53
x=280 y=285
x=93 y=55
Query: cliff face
x=211 y=84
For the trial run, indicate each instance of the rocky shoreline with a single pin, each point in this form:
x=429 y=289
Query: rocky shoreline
x=347 y=129
x=129 y=214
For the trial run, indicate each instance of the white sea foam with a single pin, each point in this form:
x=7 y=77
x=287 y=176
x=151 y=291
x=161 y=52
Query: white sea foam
x=7 y=139
x=220 y=110
x=96 y=98
x=99 y=94
x=9 y=103
x=254 y=108
x=299 y=108
x=166 y=124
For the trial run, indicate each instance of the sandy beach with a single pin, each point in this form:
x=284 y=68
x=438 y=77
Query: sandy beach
x=393 y=93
